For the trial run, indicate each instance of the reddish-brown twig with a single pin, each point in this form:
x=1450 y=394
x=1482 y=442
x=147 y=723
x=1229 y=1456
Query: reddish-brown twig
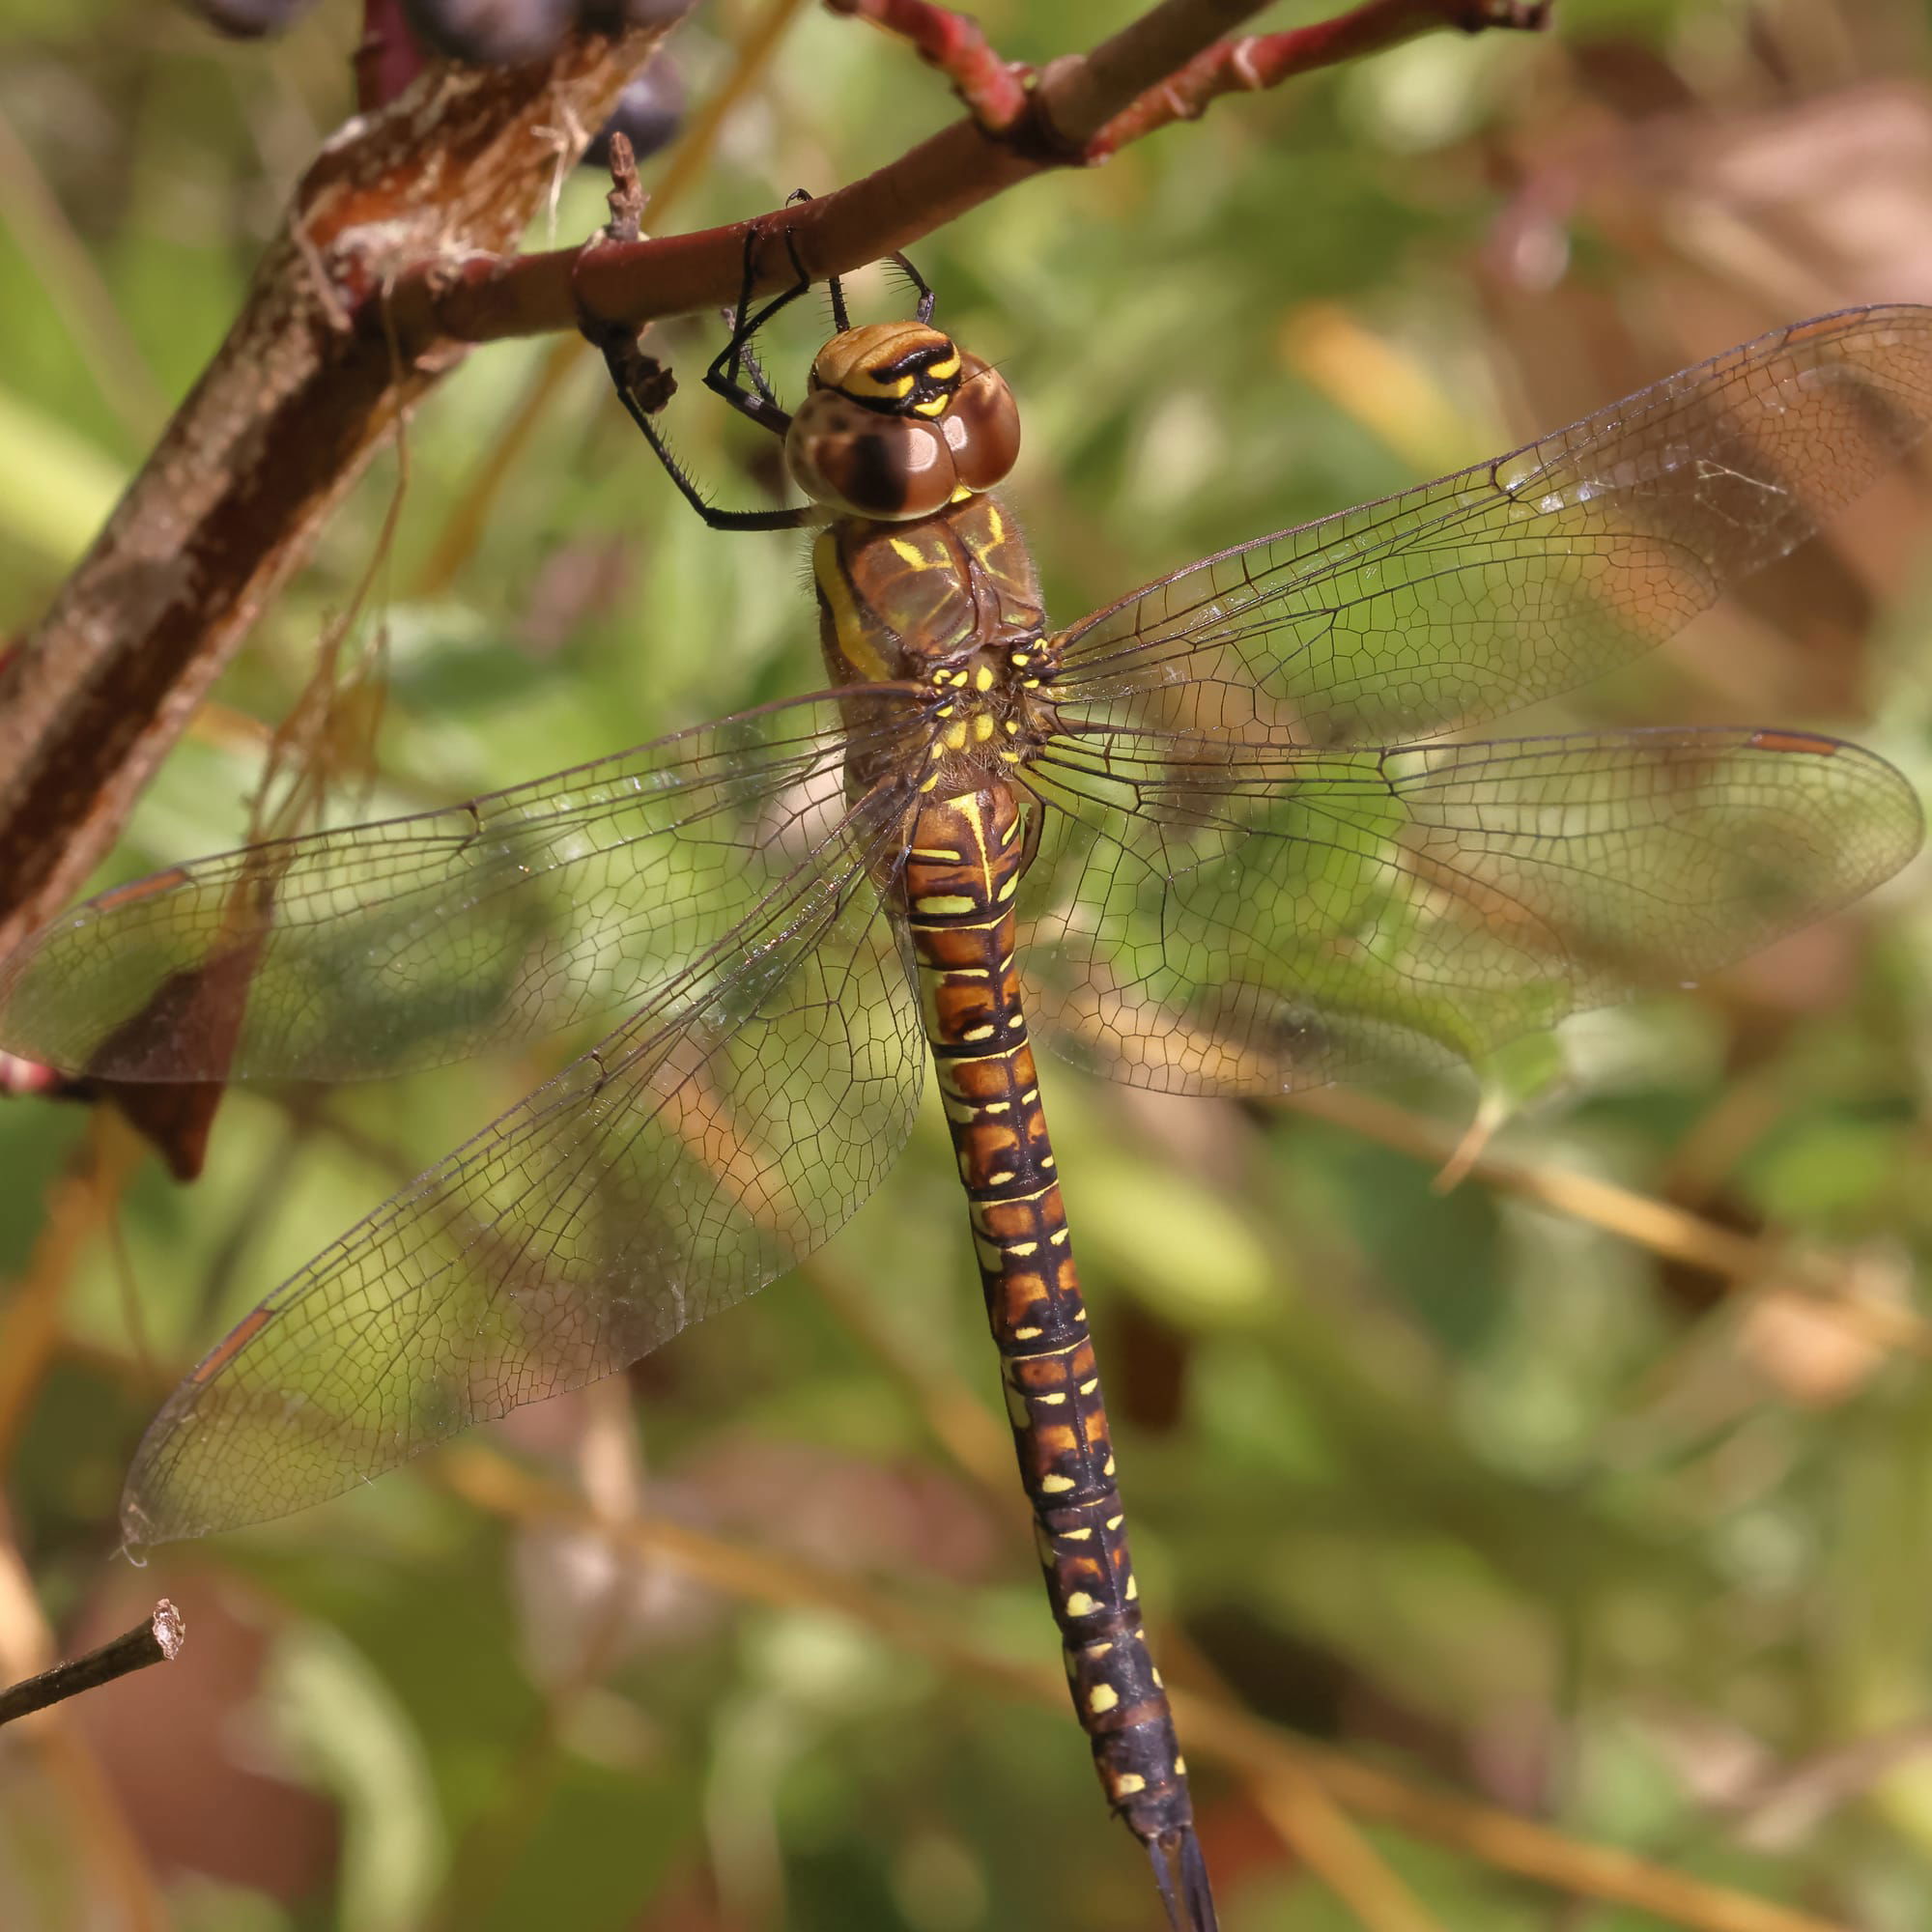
x=1261 y=61
x=158 y=1641
x=992 y=89
x=387 y=57
x=1080 y=108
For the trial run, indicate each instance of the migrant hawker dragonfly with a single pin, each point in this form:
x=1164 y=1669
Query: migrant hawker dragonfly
x=1225 y=836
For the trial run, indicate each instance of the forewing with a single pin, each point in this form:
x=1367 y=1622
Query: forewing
x=1219 y=920
x=1521 y=578
x=410 y=943
x=716 y=1138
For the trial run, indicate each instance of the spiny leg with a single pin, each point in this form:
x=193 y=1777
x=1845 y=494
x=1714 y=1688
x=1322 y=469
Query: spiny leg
x=723 y=376
x=643 y=387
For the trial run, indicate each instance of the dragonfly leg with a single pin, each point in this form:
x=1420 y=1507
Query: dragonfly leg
x=632 y=382
x=735 y=360
x=927 y=297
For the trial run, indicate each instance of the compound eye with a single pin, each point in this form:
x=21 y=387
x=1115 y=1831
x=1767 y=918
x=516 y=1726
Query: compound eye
x=856 y=461
x=983 y=425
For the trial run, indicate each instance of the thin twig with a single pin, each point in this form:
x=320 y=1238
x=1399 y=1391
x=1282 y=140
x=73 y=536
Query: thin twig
x=487 y=298
x=157 y=1640
x=59 y=265
x=1261 y=61
x=1664 y=1229
x=387 y=58
x=992 y=89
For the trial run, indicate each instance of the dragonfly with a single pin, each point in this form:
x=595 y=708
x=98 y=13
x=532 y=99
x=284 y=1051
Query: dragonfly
x=1229 y=835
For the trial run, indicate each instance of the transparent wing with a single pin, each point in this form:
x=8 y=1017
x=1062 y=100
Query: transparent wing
x=1214 y=918
x=1521 y=578
x=713 y=1140
x=383 y=948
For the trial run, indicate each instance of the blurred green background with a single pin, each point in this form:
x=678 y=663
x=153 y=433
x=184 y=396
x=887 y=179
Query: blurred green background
x=1493 y=1495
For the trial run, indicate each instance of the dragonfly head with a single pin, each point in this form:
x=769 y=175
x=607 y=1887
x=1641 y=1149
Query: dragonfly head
x=900 y=421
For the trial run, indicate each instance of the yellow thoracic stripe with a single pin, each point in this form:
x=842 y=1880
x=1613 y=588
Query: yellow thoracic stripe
x=854 y=643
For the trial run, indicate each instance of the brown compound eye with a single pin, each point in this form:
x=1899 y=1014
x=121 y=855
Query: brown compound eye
x=854 y=459
x=981 y=425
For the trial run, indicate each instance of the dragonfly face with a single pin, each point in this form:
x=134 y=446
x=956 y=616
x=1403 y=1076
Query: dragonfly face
x=1228 y=834
x=899 y=422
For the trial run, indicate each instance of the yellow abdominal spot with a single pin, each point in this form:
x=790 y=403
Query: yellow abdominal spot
x=1081 y=1604
x=1102 y=1697
x=943 y=902
x=1126 y=1787
x=1057 y=1486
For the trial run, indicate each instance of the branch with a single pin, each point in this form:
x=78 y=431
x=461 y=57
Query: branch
x=281 y=423
x=391 y=264
x=992 y=89
x=1263 y=61
x=1081 y=110
x=158 y=1641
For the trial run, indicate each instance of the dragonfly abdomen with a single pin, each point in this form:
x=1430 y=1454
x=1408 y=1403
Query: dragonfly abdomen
x=964 y=864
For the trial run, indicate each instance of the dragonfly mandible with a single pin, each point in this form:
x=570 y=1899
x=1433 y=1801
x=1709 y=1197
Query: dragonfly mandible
x=1225 y=836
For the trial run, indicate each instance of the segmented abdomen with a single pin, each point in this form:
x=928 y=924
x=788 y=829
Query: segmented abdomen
x=964 y=866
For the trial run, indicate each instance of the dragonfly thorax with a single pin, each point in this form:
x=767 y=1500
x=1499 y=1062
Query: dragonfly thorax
x=899 y=423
